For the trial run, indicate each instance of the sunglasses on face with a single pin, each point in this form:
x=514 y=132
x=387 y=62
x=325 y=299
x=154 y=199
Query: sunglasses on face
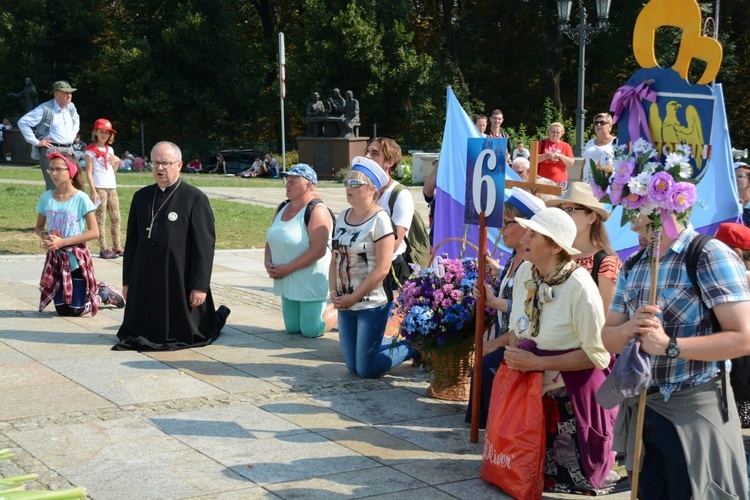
x=354 y=183
x=601 y=122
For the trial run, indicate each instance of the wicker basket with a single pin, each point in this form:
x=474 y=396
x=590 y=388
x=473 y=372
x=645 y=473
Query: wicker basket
x=450 y=371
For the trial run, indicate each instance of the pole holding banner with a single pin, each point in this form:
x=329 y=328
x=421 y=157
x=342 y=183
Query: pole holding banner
x=485 y=182
x=282 y=96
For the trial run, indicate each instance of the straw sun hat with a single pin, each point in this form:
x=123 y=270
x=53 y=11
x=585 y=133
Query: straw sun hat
x=580 y=193
x=554 y=223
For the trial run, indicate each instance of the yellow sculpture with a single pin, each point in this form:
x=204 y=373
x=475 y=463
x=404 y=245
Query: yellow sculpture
x=684 y=14
x=670 y=131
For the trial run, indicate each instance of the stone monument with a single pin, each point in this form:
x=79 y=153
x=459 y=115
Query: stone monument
x=332 y=137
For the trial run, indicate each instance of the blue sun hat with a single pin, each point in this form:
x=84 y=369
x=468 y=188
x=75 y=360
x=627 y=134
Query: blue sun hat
x=371 y=169
x=304 y=170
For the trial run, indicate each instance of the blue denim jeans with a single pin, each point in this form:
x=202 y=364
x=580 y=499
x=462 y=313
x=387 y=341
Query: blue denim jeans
x=361 y=337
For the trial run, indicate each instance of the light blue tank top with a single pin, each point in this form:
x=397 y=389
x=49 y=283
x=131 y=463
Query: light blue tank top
x=288 y=240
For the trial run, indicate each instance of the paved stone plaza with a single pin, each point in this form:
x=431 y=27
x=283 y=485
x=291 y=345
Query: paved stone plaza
x=258 y=414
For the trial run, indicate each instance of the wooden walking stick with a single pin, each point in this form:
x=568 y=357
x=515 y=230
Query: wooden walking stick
x=654 y=263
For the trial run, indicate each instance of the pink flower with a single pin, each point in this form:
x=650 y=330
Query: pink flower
x=634 y=201
x=660 y=186
x=615 y=195
x=598 y=191
x=681 y=197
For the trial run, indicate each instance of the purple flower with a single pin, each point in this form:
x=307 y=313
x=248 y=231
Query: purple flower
x=634 y=201
x=660 y=187
x=598 y=191
x=681 y=197
x=615 y=195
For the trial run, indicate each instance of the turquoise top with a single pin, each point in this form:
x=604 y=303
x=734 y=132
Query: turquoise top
x=67 y=217
x=288 y=240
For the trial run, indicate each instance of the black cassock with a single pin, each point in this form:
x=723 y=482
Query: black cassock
x=160 y=271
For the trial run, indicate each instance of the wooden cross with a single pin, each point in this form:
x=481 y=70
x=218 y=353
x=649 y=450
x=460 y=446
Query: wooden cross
x=531 y=184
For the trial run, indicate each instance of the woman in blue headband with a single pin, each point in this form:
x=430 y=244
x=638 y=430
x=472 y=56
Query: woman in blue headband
x=363 y=244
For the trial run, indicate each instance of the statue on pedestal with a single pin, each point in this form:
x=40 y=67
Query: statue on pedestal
x=337 y=117
x=28 y=96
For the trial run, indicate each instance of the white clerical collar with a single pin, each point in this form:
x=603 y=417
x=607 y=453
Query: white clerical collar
x=164 y=189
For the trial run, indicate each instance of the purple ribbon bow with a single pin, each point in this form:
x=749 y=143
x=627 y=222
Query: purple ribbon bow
x=630 y=98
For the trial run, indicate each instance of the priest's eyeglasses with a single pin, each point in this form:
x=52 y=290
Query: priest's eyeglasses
x=163 y=164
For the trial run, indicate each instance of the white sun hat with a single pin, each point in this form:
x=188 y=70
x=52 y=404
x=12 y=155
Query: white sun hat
x=556 y=224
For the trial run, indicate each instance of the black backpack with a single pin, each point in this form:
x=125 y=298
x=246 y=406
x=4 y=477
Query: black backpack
x=740 y=374
x=308 y=211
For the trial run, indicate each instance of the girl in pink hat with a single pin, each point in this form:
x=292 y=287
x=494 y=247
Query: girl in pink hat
x=65 y=223
x=101 y=165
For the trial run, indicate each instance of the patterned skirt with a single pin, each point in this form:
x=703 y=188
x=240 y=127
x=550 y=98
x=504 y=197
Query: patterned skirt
x=563 y=472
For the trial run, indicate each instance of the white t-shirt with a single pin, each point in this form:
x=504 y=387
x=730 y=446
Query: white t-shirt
x=403 y=212
x=104 y=174
x=354 y=253
x=591 y=150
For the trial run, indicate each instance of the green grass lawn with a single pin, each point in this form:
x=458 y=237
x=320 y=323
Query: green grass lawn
x=238 y=225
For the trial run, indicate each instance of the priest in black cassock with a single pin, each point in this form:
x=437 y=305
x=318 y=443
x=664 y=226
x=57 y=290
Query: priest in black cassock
x=169 y=254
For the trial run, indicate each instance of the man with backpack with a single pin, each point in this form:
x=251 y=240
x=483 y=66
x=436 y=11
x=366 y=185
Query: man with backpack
x=399 y=204
x=692 y=440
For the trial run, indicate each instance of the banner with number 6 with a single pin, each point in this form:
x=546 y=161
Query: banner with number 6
x=485 y=180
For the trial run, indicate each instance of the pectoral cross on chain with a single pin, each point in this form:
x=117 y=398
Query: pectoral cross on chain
x=148 y=230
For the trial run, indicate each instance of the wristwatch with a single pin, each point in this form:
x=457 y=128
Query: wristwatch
x=673 y=350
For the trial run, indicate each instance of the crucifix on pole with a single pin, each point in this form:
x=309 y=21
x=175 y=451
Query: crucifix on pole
x=532 y=185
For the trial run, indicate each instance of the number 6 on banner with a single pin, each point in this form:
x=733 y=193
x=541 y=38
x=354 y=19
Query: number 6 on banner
x=478 y=179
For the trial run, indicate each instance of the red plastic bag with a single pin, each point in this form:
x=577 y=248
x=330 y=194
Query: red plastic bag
x=514 y=441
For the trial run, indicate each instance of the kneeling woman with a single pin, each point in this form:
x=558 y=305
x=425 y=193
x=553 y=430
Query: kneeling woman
x=556 y=318
x=362 y=249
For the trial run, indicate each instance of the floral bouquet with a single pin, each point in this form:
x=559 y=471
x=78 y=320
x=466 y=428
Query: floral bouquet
x=642 y=185
x=437 y=304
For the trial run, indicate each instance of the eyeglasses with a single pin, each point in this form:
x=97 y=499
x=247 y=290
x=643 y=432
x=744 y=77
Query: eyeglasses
x=163 y=164
x=570 y=210
x=740 y=176
x=507 y=223
x=57 y=170
x=601 y=122
x=354 y=183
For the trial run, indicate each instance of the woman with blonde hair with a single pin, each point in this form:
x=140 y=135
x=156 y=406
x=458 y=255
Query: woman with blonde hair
x=601 y=148
x=363 y=243
x=555 y=155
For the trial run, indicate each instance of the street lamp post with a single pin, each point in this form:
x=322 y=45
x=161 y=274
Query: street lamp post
x=582 y=35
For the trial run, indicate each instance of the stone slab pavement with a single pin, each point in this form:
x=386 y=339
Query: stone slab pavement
x=258 y=414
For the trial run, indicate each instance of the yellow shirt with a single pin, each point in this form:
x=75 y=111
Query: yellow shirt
x=573 y=319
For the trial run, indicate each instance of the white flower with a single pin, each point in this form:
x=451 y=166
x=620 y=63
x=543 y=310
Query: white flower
x=639 y=184
x=672 y=159
x=641 y=146
x=685 y=170
x=684 y=149
x=651 y=167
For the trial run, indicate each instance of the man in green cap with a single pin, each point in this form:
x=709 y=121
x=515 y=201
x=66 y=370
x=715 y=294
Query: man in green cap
x=51 y=126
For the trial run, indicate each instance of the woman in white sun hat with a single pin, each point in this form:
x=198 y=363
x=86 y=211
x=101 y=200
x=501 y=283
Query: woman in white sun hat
x=556 y=322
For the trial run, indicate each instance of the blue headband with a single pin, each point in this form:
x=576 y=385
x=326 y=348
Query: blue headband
x=520 y=206
x=369 y=174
